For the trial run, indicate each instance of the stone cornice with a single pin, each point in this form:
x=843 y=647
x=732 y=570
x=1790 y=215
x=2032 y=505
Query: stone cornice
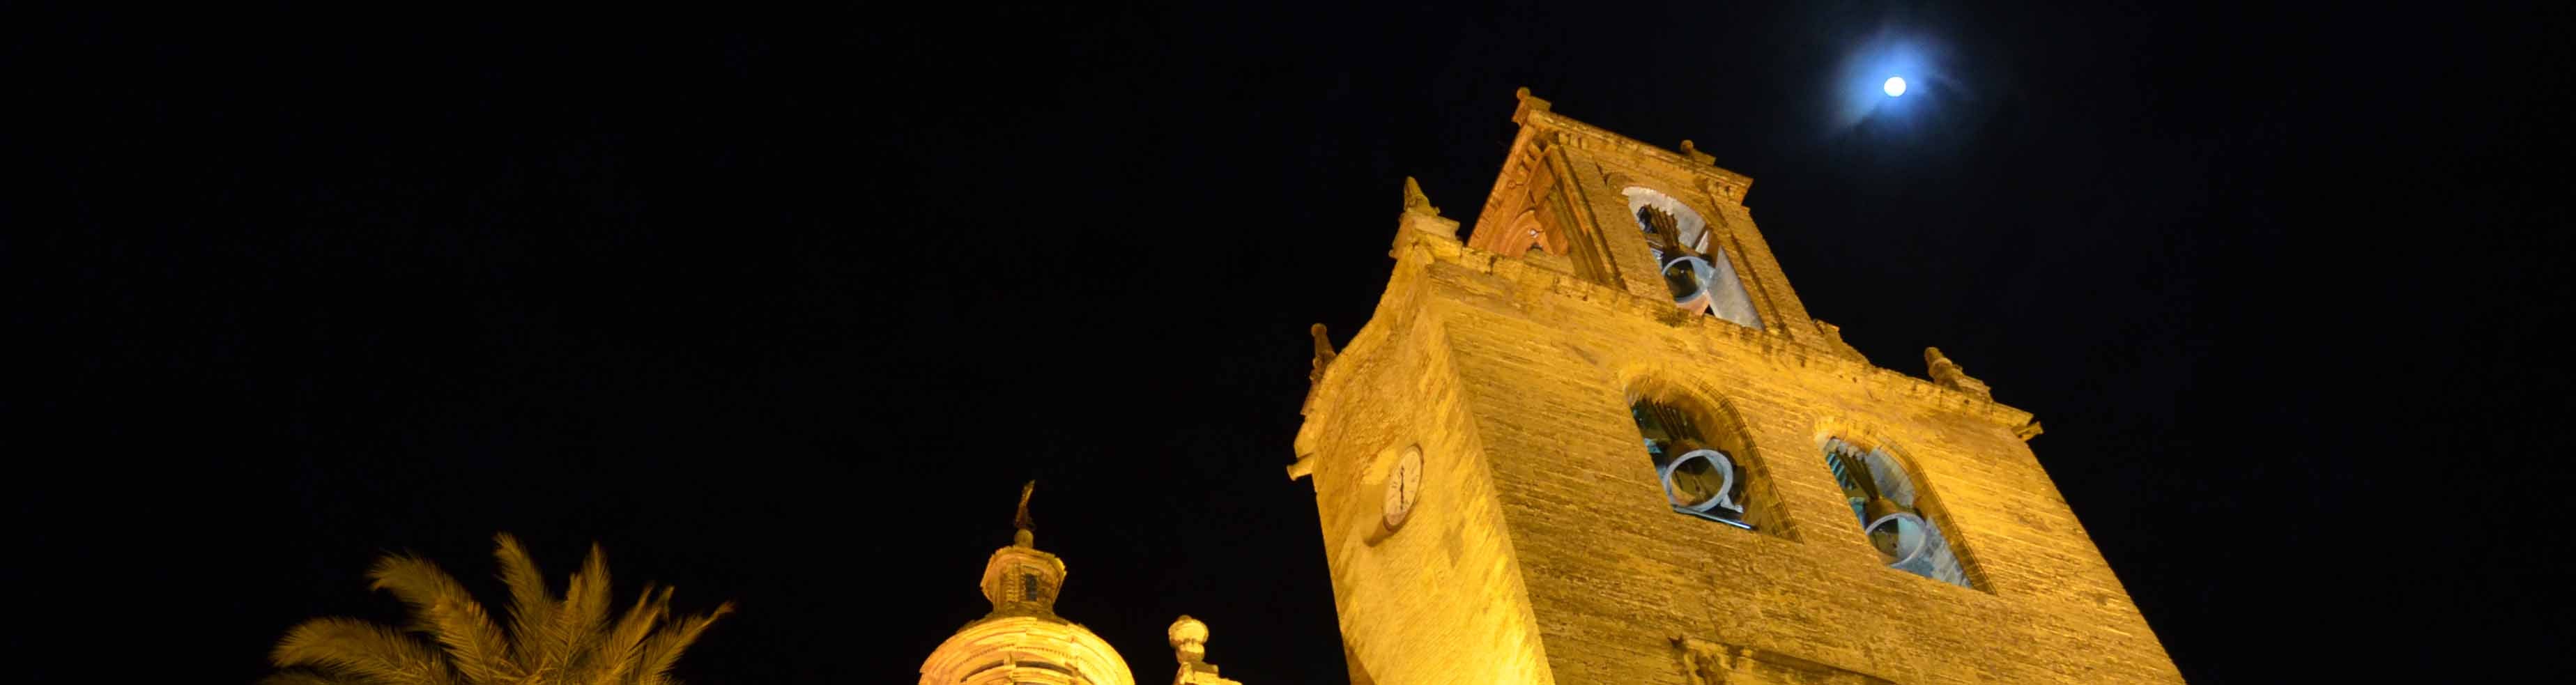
x=1535 y=113
x=1025 y=649
x=1449 y=251
x=1435 y=240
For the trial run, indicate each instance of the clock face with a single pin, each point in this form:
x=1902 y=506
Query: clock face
x=1403 y=486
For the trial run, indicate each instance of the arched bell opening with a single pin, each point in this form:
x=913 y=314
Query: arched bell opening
x=1694 y=268
x=1701 y=457
x=1899 y=522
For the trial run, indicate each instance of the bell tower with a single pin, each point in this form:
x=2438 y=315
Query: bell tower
x=1600 y=440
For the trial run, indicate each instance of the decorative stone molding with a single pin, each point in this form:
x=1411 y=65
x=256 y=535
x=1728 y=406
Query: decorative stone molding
x=1833 y=336
x=1536 y=112
x=1025 y=650
x=1445 y=250
x=1710 y=663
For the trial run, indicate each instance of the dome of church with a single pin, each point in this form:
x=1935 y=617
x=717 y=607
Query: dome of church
x=1022 y=641
x=1012 y=650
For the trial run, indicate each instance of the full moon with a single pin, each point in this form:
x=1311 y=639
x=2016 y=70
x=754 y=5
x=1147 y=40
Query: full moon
x=1895 y=86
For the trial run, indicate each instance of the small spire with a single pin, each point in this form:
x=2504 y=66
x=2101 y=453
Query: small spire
x=1415 y=201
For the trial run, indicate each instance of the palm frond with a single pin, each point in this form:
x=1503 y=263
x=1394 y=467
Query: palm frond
x=585 y=605
x=308 y=678
x=626 y=641
x=662 y=650
x=550 y=641
x=532 y=607
x=443 y=609
x=360 y=649
x=578 y=619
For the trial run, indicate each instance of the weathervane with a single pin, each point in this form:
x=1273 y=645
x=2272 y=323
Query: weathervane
x=1023 y=522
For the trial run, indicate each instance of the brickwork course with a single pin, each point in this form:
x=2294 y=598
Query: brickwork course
x=1541 y=548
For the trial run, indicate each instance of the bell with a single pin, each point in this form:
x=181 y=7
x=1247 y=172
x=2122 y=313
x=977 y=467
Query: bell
x=1703 y=488
x=1688 y=278
x=1898 y=534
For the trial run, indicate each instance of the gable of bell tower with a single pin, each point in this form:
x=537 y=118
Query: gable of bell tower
x=1618 y=213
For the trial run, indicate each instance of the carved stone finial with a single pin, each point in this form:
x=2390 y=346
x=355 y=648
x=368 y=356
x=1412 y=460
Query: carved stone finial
x=1189 y=639
x=1324 y=353
x=1323 y=358
x=1943 y=370
x=1189 y=646
x=1948 y=374
x=1415 y=201
x=1529 y=103
x=1691 y=151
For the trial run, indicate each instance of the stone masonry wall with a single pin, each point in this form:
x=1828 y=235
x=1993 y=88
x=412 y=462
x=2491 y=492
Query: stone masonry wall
x=1438 y=599
x=1616 y=581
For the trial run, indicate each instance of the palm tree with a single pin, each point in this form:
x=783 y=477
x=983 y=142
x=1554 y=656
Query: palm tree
x=548 y=642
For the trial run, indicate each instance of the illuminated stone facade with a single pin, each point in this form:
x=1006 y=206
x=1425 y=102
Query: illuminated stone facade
x=1543 y=537
x=1023 y=641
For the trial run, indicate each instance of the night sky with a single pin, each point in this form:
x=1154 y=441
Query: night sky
x=782 y=308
